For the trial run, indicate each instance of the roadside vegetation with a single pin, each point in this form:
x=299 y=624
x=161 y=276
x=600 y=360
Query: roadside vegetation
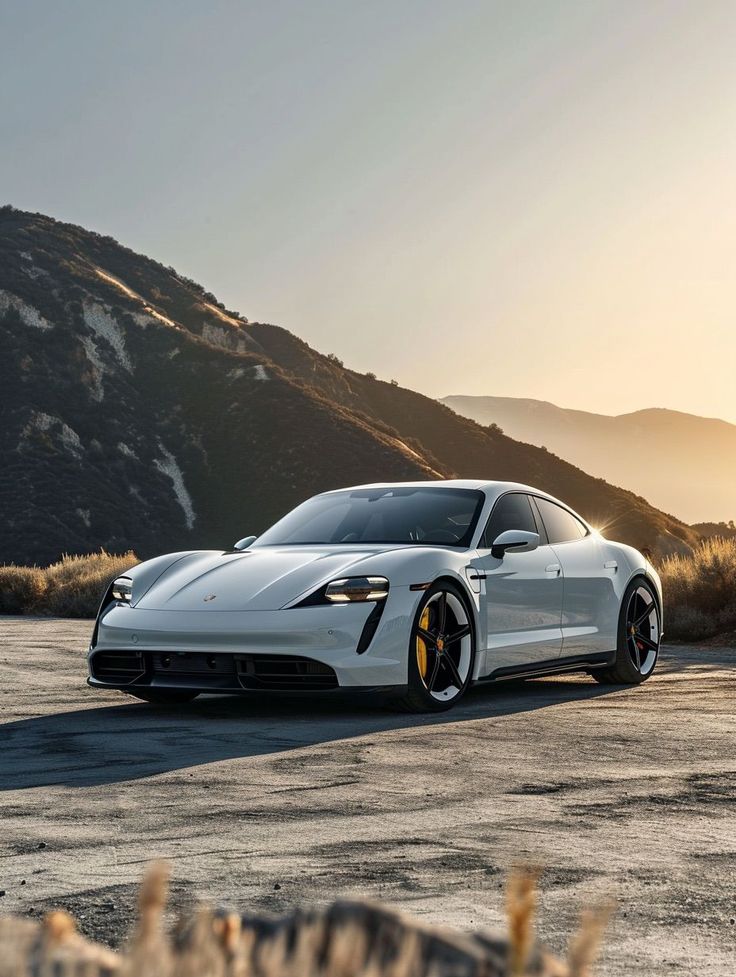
x=700 y=590
x=73 y=587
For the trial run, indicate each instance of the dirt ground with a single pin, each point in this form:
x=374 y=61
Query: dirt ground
x=262 y=805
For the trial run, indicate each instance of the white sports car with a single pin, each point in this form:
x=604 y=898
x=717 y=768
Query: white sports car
x=417 y=589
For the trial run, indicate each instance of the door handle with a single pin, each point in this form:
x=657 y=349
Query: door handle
x=553 y=568
x=610 y=565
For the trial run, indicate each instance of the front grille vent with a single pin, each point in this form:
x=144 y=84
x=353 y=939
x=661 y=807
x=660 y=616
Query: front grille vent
x=285 y=672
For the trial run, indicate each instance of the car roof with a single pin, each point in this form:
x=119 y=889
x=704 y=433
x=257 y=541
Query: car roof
x=490 y=487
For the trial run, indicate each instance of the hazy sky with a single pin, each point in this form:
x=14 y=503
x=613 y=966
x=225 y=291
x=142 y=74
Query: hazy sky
x=514 y=198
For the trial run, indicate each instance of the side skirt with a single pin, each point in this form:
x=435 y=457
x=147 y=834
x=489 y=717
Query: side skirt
x=555 y=666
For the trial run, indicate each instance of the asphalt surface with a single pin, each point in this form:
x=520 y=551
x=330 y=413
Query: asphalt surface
x=262 y=805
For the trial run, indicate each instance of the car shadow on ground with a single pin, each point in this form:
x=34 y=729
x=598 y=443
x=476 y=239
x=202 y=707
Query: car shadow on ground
x=129 y=740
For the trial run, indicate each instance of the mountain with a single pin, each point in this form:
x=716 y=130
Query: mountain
x=136 y=411
x=682 y=463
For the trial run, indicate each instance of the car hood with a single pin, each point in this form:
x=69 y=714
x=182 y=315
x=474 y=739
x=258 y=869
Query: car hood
x=257 y=580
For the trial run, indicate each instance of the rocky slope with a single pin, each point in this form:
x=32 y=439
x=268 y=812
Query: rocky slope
x=137 y=412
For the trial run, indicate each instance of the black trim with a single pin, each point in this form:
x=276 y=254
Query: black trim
x=318 y=598
x=541 y=528
x=552 y=666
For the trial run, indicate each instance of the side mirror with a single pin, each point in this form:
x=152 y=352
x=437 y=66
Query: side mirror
x=244 y=543
x=514 y=541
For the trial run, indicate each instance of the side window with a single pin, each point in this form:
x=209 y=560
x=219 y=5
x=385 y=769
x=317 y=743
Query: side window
x=561 y=525
x=510 y=512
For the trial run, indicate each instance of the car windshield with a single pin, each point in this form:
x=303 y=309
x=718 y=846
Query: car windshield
x=442 y=516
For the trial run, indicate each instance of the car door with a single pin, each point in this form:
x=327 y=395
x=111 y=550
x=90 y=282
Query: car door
x=521 y=593
x=589 y=604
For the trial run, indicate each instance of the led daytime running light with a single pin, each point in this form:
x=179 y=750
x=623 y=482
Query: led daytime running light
x=357 y=589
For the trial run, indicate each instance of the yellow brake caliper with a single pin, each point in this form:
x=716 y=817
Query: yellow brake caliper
x=421 y=645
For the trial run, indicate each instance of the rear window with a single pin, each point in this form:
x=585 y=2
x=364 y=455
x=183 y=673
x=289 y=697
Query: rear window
x=562 y=526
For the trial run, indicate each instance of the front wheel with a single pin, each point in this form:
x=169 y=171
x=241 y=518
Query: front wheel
x=441 y=650
x=639 y=634
x=163 y=697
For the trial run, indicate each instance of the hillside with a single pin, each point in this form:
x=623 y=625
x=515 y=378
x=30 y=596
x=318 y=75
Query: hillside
x=139 y=413
x=684 y=464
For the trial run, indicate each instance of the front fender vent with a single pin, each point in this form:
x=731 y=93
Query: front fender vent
x=370 y=627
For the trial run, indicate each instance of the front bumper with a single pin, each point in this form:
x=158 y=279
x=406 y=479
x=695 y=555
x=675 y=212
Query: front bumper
x=233 y=651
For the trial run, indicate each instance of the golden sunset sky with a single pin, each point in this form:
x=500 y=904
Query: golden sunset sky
x=533 y=199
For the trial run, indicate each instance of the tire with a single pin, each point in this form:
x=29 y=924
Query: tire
x=441 y=650
x=163 y=697
x=639 y=635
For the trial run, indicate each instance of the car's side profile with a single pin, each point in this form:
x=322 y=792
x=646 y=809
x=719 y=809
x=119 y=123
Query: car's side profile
x=418 y=589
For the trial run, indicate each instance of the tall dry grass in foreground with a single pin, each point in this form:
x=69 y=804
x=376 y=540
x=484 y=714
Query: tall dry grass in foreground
x=346 y=939
x=73 y=587
x=700 y=590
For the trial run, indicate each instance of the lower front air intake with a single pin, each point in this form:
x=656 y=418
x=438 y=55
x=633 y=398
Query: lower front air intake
x=284 y=672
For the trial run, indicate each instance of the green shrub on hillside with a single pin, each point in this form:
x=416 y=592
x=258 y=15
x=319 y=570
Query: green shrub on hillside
x=73 y=587
x=700 y=590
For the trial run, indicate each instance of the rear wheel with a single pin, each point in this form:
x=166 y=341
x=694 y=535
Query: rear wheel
x=639 y=634
x=163 y=696
x=441 y=650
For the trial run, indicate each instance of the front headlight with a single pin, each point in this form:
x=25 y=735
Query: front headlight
x=122 y=589
x=355 y=589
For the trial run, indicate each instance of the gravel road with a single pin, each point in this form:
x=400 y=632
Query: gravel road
x=626 y=793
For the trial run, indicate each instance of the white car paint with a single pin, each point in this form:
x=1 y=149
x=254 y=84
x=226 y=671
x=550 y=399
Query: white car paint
x=523 y=607
x=531 y=608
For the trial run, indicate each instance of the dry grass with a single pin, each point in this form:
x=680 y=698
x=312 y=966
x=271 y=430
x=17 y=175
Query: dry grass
x=348 y=939
x=73 y=587
x=585 y=944
x=521 y=904
x=20 y=588
x=700 y=590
